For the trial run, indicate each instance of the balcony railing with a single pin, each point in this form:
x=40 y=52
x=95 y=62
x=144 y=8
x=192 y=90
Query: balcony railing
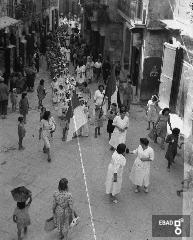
x=133 y=10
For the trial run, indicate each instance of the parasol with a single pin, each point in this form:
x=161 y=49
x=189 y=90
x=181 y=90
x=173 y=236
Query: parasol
x=21 y=194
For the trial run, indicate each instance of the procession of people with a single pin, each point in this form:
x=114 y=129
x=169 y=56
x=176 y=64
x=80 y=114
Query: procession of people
x=72 y=71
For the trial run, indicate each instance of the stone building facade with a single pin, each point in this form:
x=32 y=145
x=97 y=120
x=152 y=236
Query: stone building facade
x=102 y=28
x=67 y=6
x=3 y=8
x=143 y=38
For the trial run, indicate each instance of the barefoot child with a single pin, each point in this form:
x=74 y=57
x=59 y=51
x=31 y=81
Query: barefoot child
x=13 y=98
x=21 y=132
x=21 y=217
x=24 y=106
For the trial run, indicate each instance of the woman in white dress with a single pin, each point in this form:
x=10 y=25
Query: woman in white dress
x=67 y=54
x=121 y=123
x=140 y=171
x=83 y=70
x=152 y=111
x=115 y=172
x=84 y=130
x=78 y=74
x=89 y=69
x=44 y=133
x=100 y=101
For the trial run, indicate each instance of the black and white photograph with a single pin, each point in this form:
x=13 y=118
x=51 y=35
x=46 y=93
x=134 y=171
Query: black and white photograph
x=96 y=119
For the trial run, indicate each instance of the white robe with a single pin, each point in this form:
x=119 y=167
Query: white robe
x=140 y=171
x=68 y=55
x=78 y=73
x=117 y=136
x=83 y=70
x=116 y=166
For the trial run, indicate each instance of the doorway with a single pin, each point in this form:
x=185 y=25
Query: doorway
x=134 y=71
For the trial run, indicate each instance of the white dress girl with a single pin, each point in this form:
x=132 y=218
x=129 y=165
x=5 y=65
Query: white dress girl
x=83 y=70
x=116 y=165
x=68 y=55
x=118 y=136
x=79 y=75
x=89 y=70
x=152 y=113
x=85 y=127
x=140 y=171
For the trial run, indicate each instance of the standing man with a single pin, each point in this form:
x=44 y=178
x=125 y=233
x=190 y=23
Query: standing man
x=128 y=94
x=4 y=95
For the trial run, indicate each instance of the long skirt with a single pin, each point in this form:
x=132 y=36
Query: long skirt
x=46 y=140
x=139 y=176
x=113 y=187
x=98 y=120
x=117 y=138
x=62 y=218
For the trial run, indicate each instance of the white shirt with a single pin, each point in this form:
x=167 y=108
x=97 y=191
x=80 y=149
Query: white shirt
x=52 y=123
x=99 y=97
x=73 y=24
x=118 y=161
x=98 y=65
x=147 y=153
x=83 y=68
x=62 y=50
x=68 y=54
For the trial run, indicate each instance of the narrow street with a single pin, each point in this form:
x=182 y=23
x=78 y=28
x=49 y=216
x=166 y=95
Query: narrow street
x=130 y=219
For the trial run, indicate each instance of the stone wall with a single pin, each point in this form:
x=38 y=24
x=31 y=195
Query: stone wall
x=154 y=41
x=113 y=41
x=3 y=8
x=158 y=10
x=113 y=13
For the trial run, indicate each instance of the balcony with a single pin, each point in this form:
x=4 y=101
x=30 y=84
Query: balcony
x=97 y=12
x=134 y=12
x=24 y=10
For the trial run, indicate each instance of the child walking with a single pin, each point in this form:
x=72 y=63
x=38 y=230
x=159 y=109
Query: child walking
x=24 y=106
x=13 y=98
x=41 y=93
x=112 y=113
x=172 y=139
x=21 y=217
x=53 y=126
x=42 y=111
x=21 y=132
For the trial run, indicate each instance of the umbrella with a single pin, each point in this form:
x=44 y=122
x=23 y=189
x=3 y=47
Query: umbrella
x=21 y=194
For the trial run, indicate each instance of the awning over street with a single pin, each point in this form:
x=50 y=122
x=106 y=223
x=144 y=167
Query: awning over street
x=185 y=29
x=7 y=21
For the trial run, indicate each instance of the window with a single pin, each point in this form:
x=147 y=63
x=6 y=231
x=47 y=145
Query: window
x=139 y=9
x=10 y=8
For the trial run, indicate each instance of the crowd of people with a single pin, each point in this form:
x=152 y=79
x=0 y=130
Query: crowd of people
x=67 y=48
